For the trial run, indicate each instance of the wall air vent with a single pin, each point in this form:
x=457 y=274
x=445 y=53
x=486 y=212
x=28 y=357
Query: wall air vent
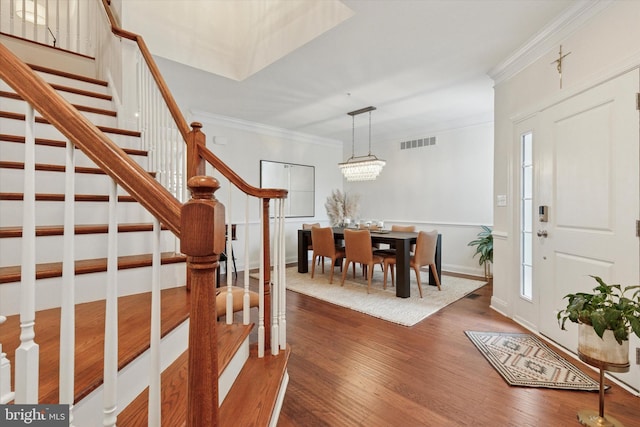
x=418 y=143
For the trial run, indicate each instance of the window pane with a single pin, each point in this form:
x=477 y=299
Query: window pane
x=526 y=245
x=527 y=282
x=527 y=217
x=527 y=182
x=527 y=149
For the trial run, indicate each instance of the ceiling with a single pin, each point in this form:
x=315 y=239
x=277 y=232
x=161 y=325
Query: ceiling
x=422 y=63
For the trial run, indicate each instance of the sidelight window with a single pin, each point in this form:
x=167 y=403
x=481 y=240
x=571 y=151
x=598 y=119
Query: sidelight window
x=526 y=216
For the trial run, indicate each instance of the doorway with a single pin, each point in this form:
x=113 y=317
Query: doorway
x=588 y=178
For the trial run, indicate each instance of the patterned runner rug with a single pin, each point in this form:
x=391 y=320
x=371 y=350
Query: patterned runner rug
x=524 y=360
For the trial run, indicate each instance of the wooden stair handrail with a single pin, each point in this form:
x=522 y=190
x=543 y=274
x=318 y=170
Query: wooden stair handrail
x=206 y=154
x=83 y=134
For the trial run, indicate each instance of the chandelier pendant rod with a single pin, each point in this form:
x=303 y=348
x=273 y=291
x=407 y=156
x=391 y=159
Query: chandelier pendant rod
x=366 y=168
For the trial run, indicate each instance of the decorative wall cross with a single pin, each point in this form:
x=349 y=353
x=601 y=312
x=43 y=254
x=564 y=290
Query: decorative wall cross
x=558 y=63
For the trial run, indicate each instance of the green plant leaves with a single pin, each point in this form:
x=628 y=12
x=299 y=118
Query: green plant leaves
x=606 y=307
x=484 y=245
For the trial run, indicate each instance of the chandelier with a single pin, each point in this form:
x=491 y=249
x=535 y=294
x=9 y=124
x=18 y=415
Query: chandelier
x=361 y=168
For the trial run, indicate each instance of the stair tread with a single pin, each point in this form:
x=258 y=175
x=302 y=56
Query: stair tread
x=133 y=341
x=68 y=75
x=12 y=273
x=60 y=144
x=85 y=108
x=253 y=396
x=105 y=129
x=57 y=168
x=77 y=91
x=50 y=197
x=246 y=403
x=51 y=168
x=58 y=230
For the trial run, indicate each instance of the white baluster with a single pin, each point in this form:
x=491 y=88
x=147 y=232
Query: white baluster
x=275 y=278
x=6 y=395
x=155 y=370
x=282 y=282
x=28 y=353
x=261 y=336
x=246 y=303
x=110 y=396
x=67 y=309
x=227 y=218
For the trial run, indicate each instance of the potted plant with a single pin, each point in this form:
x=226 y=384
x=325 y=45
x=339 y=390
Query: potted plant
x=605 y=317
x=484 y=247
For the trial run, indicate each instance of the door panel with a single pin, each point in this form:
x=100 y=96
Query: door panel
x=589 y=179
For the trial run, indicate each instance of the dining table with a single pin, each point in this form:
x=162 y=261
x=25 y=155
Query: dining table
x=401 y=240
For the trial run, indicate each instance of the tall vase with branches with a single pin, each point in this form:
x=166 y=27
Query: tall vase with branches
x=340 y=205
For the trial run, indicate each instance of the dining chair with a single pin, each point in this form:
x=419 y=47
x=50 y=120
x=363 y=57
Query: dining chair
x=425 y=254
x=358 y=249
x=324 y=246
x=391 y=250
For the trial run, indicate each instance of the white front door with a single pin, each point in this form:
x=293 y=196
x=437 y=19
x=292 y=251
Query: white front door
x=588 y=178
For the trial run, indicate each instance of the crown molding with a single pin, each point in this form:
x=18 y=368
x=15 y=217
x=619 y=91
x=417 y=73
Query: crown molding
x=548 y=38
x=262 y=129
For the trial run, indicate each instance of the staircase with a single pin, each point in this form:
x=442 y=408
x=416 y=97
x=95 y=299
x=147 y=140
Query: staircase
x=134 y=226
x=251 y=383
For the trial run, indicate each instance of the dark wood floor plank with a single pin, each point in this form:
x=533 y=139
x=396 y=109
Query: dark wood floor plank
x=350 y=369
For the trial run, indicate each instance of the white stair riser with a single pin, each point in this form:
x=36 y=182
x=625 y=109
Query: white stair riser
x=19 y=106
x=73 y=98
x=91 y=287
x=14 y=152
x=11 y=180
x=51 y=213
x=17 y=127
x=87 y=246
x=75 y=83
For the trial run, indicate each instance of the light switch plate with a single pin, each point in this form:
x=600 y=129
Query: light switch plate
x=501 y=200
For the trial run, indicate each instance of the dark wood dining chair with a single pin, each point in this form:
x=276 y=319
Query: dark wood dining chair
x=425 y=254
x=358 y=249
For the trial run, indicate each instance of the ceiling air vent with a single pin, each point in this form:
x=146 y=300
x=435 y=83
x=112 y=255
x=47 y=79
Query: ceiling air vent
x=418 y=143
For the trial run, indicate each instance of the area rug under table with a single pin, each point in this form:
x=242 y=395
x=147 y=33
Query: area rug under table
x=380 y=303
x=524 y=360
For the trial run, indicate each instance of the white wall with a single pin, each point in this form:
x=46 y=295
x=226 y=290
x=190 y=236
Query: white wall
x=446 y=186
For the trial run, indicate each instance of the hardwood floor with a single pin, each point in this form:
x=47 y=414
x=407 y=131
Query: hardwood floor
x=350 y=369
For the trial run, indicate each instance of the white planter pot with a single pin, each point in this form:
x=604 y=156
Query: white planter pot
x=605 y=351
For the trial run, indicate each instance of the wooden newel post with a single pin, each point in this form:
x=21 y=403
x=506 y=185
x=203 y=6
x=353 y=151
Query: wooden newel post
x=195 y=164
x=202 y=239
x=196 y=139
